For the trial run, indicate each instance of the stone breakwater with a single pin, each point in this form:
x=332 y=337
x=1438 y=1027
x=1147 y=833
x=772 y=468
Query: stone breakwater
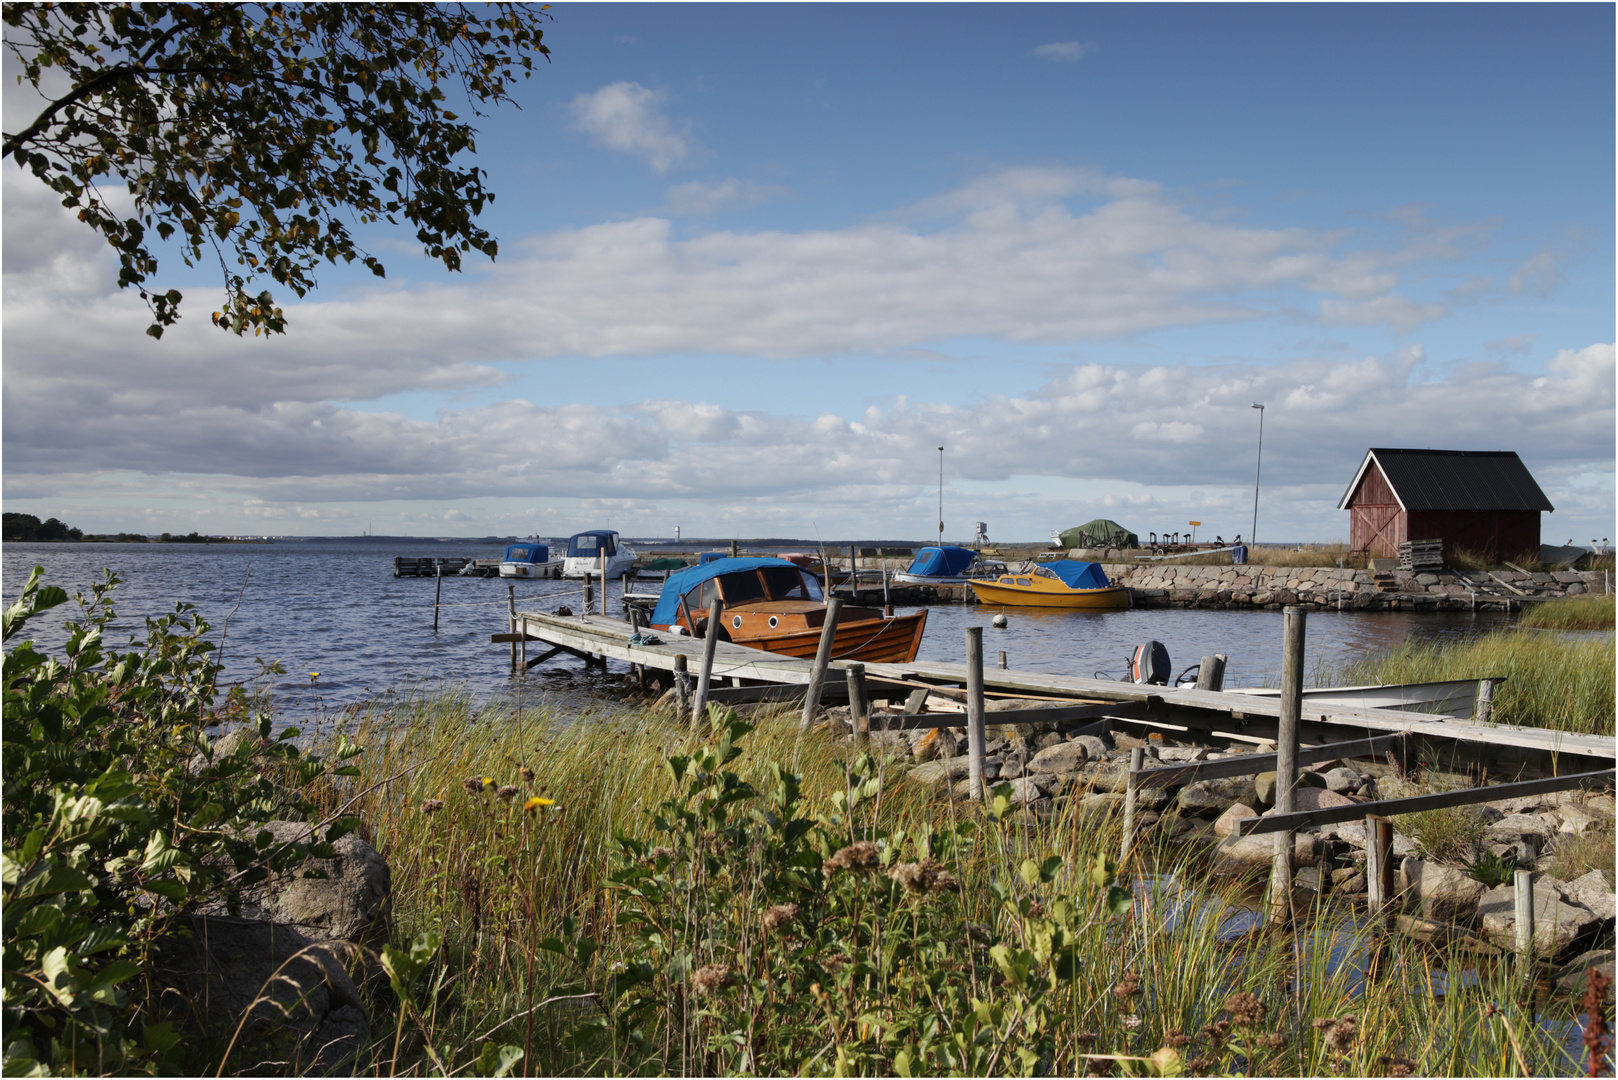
x=1161 y=585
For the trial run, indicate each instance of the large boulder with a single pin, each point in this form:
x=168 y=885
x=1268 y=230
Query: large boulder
x=1210 y=798
x=1539 y=826
x=1264 y=784
x=1065 y=757
x=1242 y=854
x=346 y=898
x=303 y=1012
x=1439 y=892
x=1557 y=924
x=1342 y=780
x=1594 y=891
x=1227 y=823
x=1573 y=977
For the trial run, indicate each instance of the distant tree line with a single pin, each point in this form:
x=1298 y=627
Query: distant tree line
x=29 y=527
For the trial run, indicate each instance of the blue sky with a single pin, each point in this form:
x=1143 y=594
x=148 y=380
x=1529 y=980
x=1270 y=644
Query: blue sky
x=757 y=262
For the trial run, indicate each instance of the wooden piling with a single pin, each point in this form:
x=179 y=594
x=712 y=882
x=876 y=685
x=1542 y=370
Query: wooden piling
x=603 y=558
x=1522 y=882
x=976 y=748
x=1137 y=760
x=438 y=594
x=710 y=638
x=1002 y=660
x=859 y=704
x=682 y=687
x=511 y=621
x=1378 y=864
x=1286 y=760
x=1485 y=709
x=817 y=674
x=735 y=548
x=589 y=593
x=1211 y=672
x=886 y=603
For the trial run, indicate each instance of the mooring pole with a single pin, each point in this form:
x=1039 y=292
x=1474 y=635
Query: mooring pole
x=817 y=674
x=1002 y=659
x=1522 y=882
x=1485 y=709
x=1378 y=864
x=1211 y=672
x=682 y=687
x=710 y=639
x=589 y=593
x=976 y=751
x=1137 y=759
x=438 y=594
x=1286 y=761
x=511 y=620
x=859 y=705
x=886 y=603
x=603 y=591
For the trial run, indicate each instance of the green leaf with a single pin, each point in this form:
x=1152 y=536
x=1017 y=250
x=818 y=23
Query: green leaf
x=1119 y=901
x=498 y=1060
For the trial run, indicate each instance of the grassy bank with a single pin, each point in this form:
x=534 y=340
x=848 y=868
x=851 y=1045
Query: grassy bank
x=1571 y=613
x=1551 y=682
x=774 y=904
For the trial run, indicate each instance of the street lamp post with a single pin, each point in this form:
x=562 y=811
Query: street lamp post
x=1252 y=537
x=940 y=496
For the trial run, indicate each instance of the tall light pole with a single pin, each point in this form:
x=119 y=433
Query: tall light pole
x=940 y=496
x=1252 y=537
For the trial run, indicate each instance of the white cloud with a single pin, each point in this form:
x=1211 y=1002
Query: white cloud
x=627 y=116
x=701 y=197
x=1065 y=51
x=1539 y=275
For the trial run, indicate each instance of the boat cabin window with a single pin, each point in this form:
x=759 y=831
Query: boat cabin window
x=1042 y=571
x=790 y=583
x=742 y=587
x=1025 y=582
x=589 y=545
x=698 y=599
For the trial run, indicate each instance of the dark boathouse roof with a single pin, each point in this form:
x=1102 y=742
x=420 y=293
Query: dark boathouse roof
x=1453 y=480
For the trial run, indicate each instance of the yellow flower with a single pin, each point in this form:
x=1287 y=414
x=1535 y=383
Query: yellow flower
x=314 y=674
x=488 y=781
x=536 y=802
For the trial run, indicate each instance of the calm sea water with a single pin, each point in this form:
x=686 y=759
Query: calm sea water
x=336 y=608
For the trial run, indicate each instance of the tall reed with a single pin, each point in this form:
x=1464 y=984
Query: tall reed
x=1571 y=613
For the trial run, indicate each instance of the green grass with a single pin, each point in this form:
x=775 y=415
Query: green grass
x=495 y=882
x=1551 y=682
x=1571 y=613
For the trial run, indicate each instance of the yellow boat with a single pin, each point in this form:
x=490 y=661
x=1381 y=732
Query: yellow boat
x=1077 y=586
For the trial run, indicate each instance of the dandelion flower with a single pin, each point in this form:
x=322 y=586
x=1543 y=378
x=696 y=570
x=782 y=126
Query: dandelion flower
x=314 y=674
x=507 y=793
x=862 y=857
x=711 y=978
x=532 y=805
x=431 y=806
x=488 y=782
x=779 y=915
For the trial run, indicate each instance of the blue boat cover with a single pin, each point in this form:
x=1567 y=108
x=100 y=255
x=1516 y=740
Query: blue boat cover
x=942 y=561
x=534 y=553
x=1079 y=575
x=683 y=581
x=588 y=545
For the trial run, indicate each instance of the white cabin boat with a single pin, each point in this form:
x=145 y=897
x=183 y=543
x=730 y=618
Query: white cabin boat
x=529 y=560
x=585 y=551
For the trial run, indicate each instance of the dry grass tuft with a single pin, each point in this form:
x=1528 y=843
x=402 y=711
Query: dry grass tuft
x=1572 y=613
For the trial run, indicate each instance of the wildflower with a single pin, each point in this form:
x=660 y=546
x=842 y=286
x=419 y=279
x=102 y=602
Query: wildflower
x=431 y=806
x=779 y=915
x=533 y=805
x=507 y=793
x=313 y=675
x=1173 y=1039
x=527 y=774
x=1245 y=1009
x=833 y=962
x=1131 y=1022
x=1127 y=987
x=862 y=857
x=472 y=784
x=657 y=852
x=488 y=782
x=1085 y=1038
x=1272 y=1042
x=1340 y=1035
x=924 y=877
x=712 y=978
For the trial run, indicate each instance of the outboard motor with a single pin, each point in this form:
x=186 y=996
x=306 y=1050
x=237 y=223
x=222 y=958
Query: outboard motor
x=1150 y=664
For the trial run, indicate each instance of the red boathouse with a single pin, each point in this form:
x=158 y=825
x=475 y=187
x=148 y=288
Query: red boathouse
x=1482 y=500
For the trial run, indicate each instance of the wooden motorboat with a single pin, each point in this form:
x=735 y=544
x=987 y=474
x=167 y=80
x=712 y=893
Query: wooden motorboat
x=773 y=605
x=1076 y=586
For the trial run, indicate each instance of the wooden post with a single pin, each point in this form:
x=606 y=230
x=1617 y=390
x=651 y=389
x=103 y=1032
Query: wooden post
x=1485 y=709
x=438 y=594
x=859 y=704
x=589 y=593
x=710 y=638
x=511 y=621
x=1211 y=672
x=886 y=603
x=682 y=687
x=1002 y=659
x=1522 y=882
x=854 y=573
x=817 y=674
x=1378 y=863
x=603 y=589
x=1137 y=758
x=735 y=548
x=1286 y=760
x=975 y=748
x=623 y=591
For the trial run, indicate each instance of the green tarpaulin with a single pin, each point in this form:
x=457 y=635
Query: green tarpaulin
x=1099 y=533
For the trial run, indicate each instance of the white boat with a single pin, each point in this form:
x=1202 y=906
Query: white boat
x=948 y=565
x=529 y=560
x=585 y=550
x=1455 y=698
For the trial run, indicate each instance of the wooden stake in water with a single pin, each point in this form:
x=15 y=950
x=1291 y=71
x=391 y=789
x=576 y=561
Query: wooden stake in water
x=438 y=595
x=511 y=621
x=1137 y=759
x=1286 y=761
x=1378 y=863
x=710 y=639
x=682 y=687
x=976 y=749
x=817 y=673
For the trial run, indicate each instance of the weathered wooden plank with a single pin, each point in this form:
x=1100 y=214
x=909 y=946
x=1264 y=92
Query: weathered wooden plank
x=501 y=639
x=587 y=635
x=1248 y=764
x=1415 y=803
x=738 y=695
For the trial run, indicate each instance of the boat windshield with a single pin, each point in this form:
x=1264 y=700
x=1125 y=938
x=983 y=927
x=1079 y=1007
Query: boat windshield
x=785 y=582
x=588 y=545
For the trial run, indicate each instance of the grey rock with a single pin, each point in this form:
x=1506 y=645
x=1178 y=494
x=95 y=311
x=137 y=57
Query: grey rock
x=1557 y=924
x=1573 y=978
x=1264 y=784
x=1061 y=757
x=1353 y=834
x=1227 y=823
x=1210 y=798
x=1025 y=791
x=1240 y=854
x=304 y=1013
x=1048 y=740
x=1352 y=885
x=1438 y=932
x=1574 y=820
x=937 y=773
x=1113 y=776
x=1441 y=892
x=1183 y=753
x=351 y=902
x=1307 y=877
x=1107 y=802
x=1342 y=781
x=1012 y=767
x=1594 y=891
x=1096 y=745
x=1526 y=825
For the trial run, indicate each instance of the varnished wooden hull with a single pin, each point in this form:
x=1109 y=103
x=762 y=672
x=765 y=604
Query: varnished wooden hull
x=876 y=641
x=1114 y=598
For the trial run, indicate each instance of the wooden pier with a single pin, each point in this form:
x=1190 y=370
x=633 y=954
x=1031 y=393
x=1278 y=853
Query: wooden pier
x=1485 y=750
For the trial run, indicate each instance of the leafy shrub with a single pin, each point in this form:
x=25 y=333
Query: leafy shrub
x=1491 y=869
x=118 y=819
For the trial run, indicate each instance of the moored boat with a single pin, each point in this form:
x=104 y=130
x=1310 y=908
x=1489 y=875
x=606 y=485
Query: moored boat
x=585 y=551
x=529 y=560
x=1065 y=583
x=948 y=565
x=773 y=605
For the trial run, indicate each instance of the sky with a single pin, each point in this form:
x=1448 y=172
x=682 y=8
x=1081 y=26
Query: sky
x=757 y=263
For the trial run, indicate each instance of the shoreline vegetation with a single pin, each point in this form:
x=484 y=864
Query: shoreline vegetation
x=581 y=894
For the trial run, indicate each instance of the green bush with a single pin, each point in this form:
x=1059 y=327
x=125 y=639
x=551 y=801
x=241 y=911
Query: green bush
x=118 y=819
